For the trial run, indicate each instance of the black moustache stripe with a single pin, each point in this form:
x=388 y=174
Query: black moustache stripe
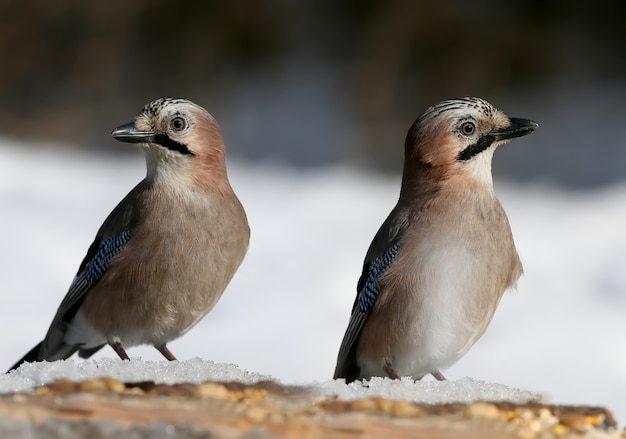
x=483 y=143
x=163 y=140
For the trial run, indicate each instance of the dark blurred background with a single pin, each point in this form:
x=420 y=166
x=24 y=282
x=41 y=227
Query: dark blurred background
x=318 y=82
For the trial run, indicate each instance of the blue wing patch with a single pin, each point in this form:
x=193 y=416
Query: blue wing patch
x=370 y=291
x=107 y=248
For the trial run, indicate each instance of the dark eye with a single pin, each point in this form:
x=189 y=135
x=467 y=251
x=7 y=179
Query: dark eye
x=178 y=124
x=468 y=128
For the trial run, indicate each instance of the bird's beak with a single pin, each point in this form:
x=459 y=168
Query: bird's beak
x=128 y=133
x=517 y=128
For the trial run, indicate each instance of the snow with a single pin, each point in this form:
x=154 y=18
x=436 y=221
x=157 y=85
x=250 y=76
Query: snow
x=464 y=390
x=197 y=370
x=194 y=370
x=560 y=335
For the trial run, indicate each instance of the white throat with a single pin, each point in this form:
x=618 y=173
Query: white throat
x=168 y=167
x=479 y=167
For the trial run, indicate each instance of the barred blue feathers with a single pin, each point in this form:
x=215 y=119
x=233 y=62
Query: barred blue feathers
x=107 y=249
x=371 y=290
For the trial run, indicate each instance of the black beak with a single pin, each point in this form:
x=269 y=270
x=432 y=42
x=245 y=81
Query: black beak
x=128 y=133
x=518 y=128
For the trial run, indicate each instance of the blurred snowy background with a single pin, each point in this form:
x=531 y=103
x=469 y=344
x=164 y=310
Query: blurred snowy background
x=315 y=98
x=284 y=314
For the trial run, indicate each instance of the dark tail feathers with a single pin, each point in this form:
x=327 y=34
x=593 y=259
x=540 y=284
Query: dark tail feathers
x=32 y=355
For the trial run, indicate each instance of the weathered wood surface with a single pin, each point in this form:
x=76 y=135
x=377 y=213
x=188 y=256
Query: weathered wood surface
x=106 y=407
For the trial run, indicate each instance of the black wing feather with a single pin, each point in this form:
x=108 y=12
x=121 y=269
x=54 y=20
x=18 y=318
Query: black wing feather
x=380 y=256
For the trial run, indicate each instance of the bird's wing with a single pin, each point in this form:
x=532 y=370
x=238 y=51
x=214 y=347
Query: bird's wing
x=380 y=256
x=113 y=236
x=100 y=253
x=95 y=264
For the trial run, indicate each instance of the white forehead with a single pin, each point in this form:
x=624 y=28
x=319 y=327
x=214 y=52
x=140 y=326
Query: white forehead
x=461 y=105
x=154 y=108
x=456 y=109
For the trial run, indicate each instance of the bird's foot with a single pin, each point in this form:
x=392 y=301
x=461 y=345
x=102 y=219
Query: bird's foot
x=166 y=352
x=438 y=376
x=390 y=371
x=119 y=349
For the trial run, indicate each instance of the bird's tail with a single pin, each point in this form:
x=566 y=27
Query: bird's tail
x=32 y=355
x=86 y=353
x=61 y=351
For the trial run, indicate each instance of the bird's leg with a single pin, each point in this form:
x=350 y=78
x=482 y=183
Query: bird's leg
x=438 y=376
x=166 y=352
x=119 y=349
x=390 y=371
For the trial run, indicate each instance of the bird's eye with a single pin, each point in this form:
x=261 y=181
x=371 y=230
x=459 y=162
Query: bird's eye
x=178 y=124
x=468 y=128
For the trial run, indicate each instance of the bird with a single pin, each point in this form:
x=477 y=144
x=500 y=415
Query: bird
x=165 y=254
x=439 y=264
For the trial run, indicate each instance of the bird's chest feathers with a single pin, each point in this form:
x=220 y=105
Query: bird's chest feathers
x=449 y=274
x=183 y=225
x=448 y=243
x=443 y=272
x=184 y=241
x=182 y=256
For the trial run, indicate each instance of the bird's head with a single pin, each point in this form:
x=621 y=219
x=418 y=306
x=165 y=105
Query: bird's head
x=178 y=136
x=460 y=136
